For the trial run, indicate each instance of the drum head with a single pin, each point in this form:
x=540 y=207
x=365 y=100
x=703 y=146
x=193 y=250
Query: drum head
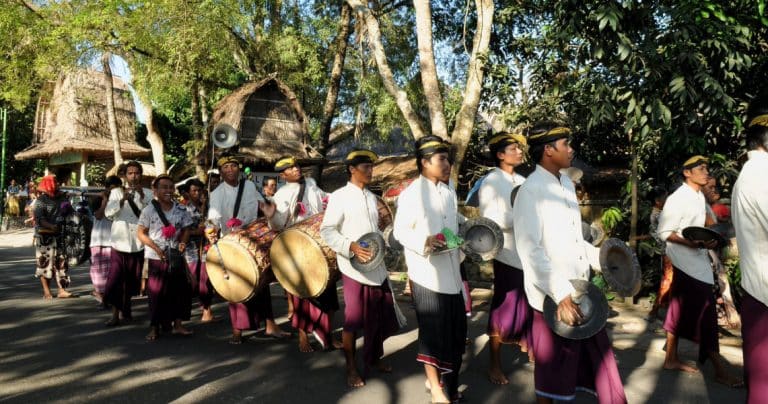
x=620 y=267
x=236 y=278
x=483 y=239
x=593 y=306
x=390 y=239
x=375 y=242
x=703 y=234
x=299 y=264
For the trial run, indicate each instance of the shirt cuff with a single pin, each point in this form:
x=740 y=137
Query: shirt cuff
x=562 y=289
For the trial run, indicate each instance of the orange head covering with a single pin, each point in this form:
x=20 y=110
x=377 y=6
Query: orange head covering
x=48 y=185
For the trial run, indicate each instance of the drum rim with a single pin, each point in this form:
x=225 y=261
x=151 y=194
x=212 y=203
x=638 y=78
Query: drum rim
x=277 y=245
x=218 y=272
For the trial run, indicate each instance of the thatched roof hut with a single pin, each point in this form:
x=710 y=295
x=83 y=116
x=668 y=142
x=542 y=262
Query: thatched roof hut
x=71 y=121
x=269 y=120
x=342 y=141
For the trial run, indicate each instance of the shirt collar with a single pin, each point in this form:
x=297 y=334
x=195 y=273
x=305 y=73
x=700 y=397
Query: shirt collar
x=757 y=154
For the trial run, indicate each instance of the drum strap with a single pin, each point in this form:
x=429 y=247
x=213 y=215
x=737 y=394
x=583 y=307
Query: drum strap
x=300 y=196
x=134 y=208
x=160 y=212
x=238 y=198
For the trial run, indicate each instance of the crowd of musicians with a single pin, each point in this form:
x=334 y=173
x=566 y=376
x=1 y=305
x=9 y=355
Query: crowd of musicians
x=144 y=240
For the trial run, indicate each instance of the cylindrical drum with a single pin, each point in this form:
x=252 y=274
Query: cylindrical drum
x=239 y=264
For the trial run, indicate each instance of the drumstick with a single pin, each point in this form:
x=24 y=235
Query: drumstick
x=221 y=257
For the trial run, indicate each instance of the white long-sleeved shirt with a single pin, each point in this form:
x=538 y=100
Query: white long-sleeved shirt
x=351 y=212
x=424 y=209
x=548 y=237
x=223 y=205
x=286 y=199
x=495 y=204
x=749 y=209
x=124 y=222
x=685 y=207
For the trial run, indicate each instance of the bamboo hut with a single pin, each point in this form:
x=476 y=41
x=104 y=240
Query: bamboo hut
x=270 y=122
x=71 y=127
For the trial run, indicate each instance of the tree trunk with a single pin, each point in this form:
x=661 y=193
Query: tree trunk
x=374 y=42
x=429 y=79
x=360 y=96
x=153 y=137
x=465 y=119
x=634 y=209
x=333 y=88
x=197 y=130
x=110 y=104
x=205 y=118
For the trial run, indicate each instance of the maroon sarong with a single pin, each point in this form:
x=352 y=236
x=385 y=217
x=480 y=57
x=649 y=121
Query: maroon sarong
x=370 y=308
x=249 y=315
x=170 y=295
x=124 y=279
x=313 y=315
x=754 y=328
x=564 y=366
x=692 y=313
x=202 y=286
x=510 y=314
x=100 y=258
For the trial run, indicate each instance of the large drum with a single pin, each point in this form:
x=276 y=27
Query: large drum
x=246 y=267
x=302 y=262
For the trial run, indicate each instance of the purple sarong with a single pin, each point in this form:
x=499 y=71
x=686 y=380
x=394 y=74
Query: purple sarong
x=202 y=286
x=754 y=328
x=124 y=279
x=510 y=314
x=248 y=315
x=170 y=295
x=313 y=315
x=692 y=313
x=564 y=366
x=100 y=259
x=370 y=308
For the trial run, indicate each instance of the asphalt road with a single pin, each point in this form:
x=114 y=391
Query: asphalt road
x=60 y=351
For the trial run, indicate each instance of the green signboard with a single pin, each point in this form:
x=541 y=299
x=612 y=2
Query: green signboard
x=66 y=158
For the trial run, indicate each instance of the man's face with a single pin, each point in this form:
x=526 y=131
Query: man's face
x=291 y=174
x=437 y=166
x=214 y=181
x=560 y=153
x=133 y=175
x=164 y=190
x=698 y=175
x=194 y=193
x=362 y=173
x=511 y=155
x=230 y=173
x=270 y=188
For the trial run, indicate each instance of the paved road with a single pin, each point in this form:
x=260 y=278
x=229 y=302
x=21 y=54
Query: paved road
x=60 y=351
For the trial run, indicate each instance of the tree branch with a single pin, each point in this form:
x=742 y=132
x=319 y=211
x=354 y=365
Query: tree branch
x=429 y=79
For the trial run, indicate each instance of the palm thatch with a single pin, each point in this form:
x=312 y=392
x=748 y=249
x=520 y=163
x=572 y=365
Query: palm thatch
x=388 y=172
x=72 y=117
x=269 y=119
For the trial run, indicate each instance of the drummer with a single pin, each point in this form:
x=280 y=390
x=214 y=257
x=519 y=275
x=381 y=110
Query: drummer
x=692 y=313
x=295 y=201
x=750 y=205
x=369 y=306
x=552 y=251
x=510 y=314
x=232 y=193
x=427 y=206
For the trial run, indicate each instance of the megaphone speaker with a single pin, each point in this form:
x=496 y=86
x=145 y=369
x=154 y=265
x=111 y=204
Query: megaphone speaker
x=224 y=136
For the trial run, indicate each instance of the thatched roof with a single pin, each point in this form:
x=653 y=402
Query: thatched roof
x=269 y=120
x=71 y=117
x=147 y=169
x=387 y=172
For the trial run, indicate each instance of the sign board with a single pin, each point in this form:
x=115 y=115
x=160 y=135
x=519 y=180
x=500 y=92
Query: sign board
x=69 y=157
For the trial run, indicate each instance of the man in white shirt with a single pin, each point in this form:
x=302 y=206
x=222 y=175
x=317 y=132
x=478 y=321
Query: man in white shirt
x=510 y=314
x=750 y=219
x=692 y=312
x=369 y=307
x=295 y=201
x=127 y=255
x=427 y=207
x=552 y=250
x=223 y=220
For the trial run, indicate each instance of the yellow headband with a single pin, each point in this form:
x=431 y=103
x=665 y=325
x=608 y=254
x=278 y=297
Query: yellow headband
x=361 y=153
x=285 y=163
x=511 y=137
x=228 y=159
x=694 y=161
x=760 y=120
x=434 y=143
x=560 y=130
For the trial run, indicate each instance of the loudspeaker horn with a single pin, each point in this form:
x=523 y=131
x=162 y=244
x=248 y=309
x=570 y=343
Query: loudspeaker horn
x=224 y=136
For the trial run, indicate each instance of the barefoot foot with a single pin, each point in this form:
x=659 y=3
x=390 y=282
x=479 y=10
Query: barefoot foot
x=681 y=366
x=154 y=333
x=496 y=376
x=354 y=379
